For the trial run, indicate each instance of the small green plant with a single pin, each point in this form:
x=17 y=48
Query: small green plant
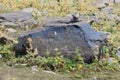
x=60 y=63
x=6 y=51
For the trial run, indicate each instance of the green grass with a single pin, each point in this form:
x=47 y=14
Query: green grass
x=70 y=69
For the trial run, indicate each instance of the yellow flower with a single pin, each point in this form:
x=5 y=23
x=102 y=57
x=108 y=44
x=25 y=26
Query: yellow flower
x=79 y=67
x=72 y=69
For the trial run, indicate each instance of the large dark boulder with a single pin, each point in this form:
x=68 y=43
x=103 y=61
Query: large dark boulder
x=60 y=35
x=17 y=19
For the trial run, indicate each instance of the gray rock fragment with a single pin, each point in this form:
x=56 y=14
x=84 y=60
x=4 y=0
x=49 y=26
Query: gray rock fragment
x=112 y=60
x=107 y=10
x=32 y=10
x=100 y=3
x=103 y=3
x=11 y=30
x=60 y=35
x=111 y=17
x=17 y=19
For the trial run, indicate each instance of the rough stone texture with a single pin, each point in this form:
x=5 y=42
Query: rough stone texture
x=94 y=18
x=32 y=10
x=11 y=30
x=107 y=10
x=90 y=19
x=100 y=4
x=17 y=19
x=60 y=35
x=103 y=3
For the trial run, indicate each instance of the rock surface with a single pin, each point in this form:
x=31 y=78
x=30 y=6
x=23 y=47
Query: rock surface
x=17 y=19
x=32 y=10
x=60 y=35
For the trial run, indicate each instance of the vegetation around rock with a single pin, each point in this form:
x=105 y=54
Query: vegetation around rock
x=102 y=15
